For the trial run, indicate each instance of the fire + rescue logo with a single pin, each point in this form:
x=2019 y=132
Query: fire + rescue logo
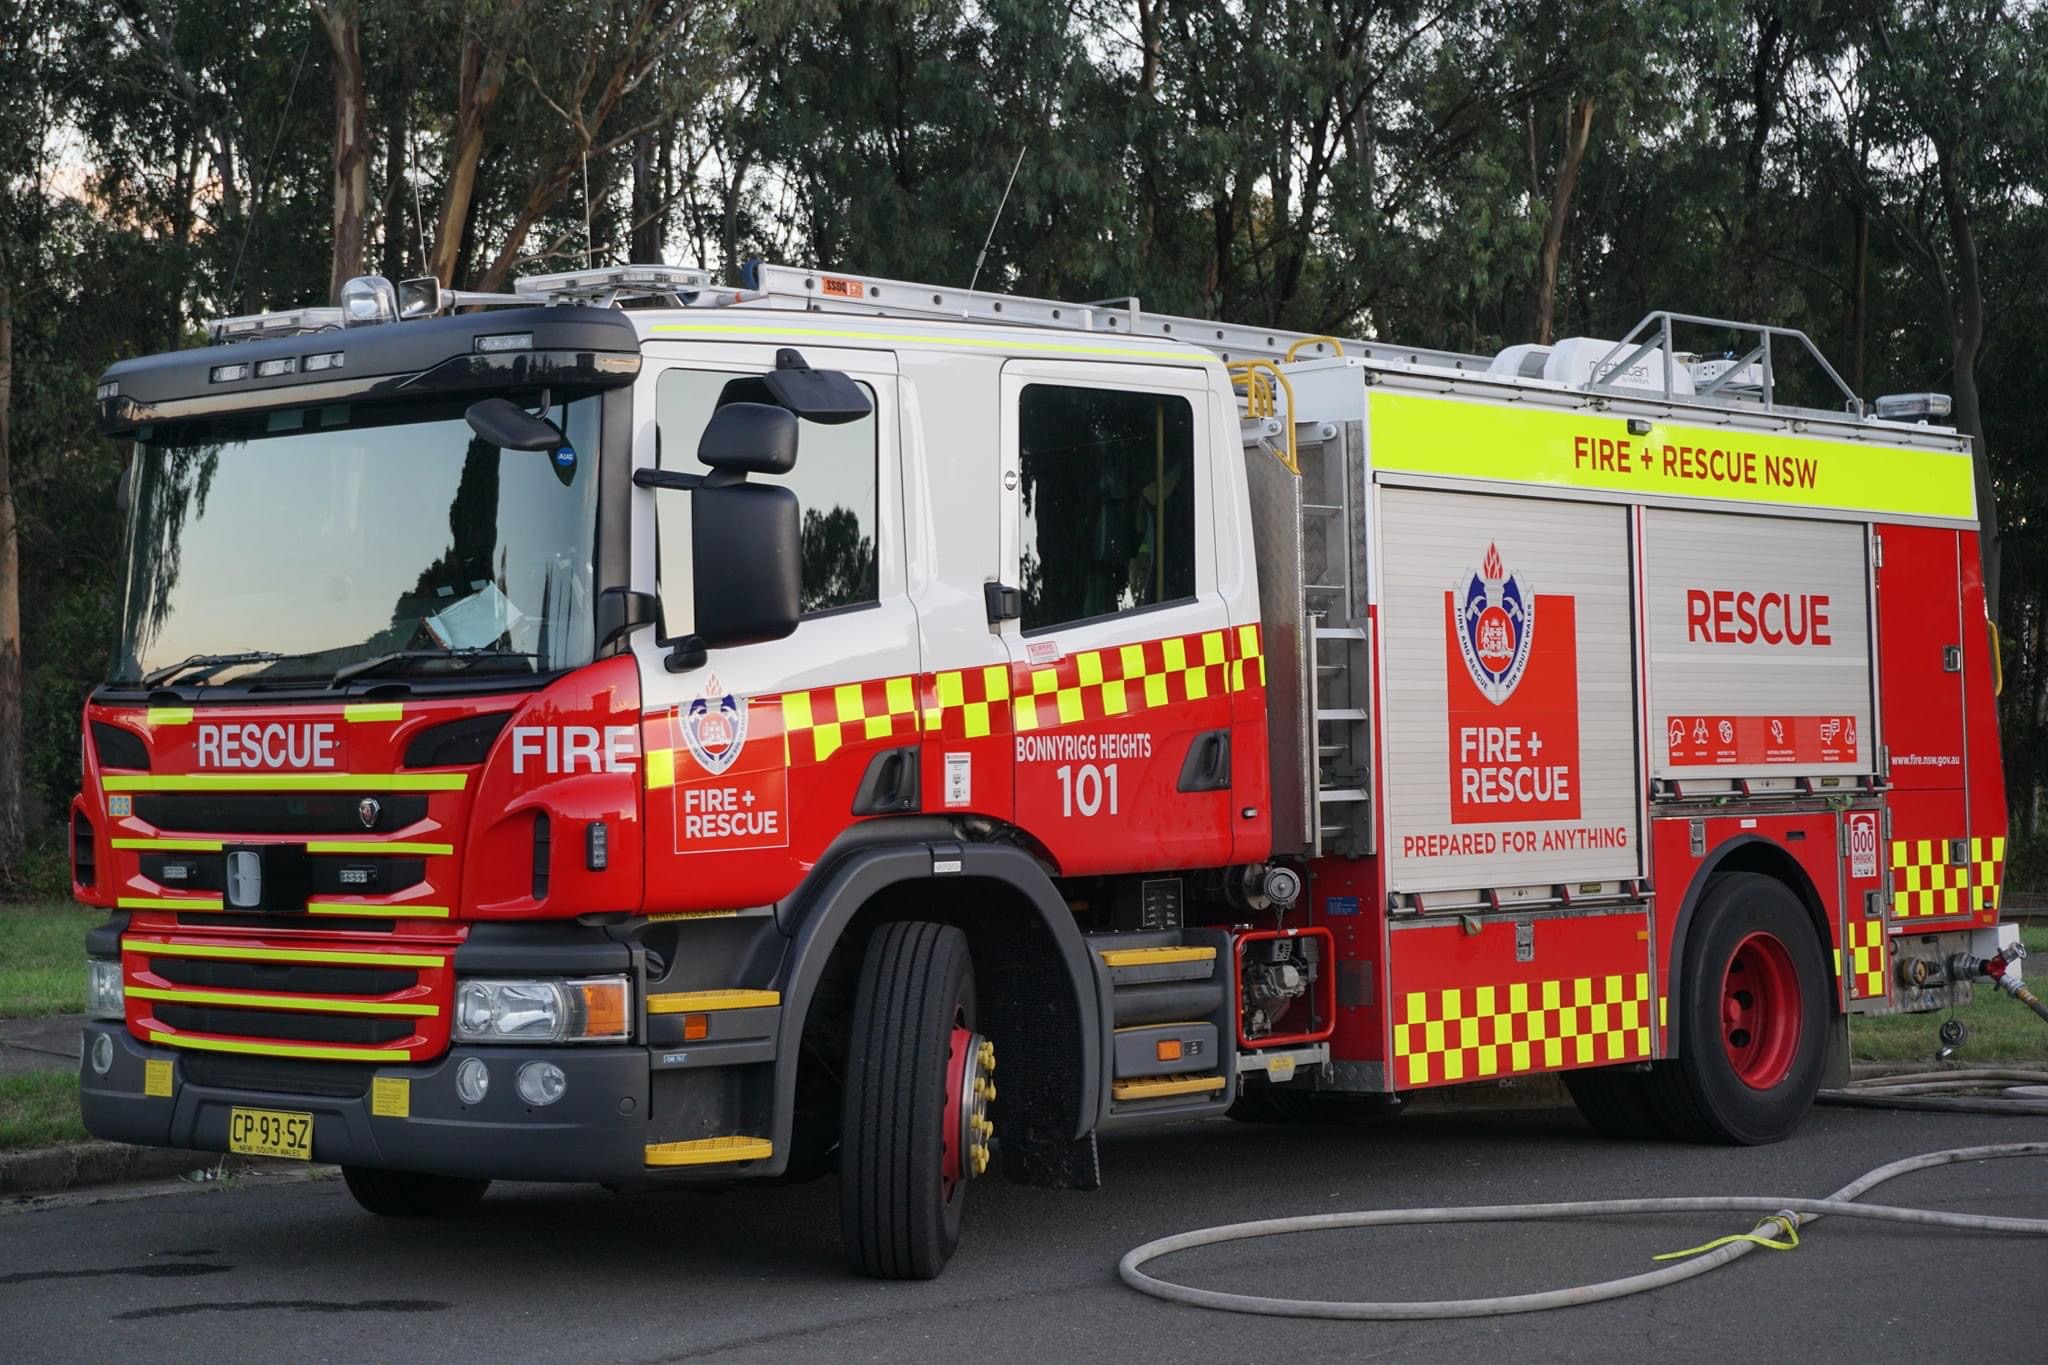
x=1496 y=623
x=714 y=728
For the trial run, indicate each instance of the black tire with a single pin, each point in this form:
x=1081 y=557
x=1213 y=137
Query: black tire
x=895 y=1215
x=1616 y=1101
x=409 y=1194
x=1700 y=1094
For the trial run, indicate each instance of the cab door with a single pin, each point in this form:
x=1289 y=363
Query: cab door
x=1122 y=650
x=756 y=759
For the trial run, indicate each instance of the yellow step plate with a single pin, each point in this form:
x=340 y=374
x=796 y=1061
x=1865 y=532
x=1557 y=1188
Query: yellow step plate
x=711 y=1151
x=1162 y=1087
x=1155 y=957
x=699 y=1002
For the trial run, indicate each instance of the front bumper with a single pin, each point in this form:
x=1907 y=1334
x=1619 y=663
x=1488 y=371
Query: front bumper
x=598 y=1131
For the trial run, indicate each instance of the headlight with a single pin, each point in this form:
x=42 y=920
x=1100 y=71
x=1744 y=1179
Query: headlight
x=104 y=997
x=500 y=1010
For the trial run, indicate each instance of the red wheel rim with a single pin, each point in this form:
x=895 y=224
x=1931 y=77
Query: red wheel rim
x=964 y=1127
x=1760 y=1014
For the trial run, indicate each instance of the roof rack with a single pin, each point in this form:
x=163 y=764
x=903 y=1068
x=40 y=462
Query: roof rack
x=1753 y=374
x=839 y=292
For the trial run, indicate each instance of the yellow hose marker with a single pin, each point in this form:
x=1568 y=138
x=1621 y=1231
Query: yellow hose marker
x=1787 y=1221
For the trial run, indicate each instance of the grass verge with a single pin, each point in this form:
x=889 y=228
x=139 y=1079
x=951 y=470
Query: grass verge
x=2001 y=1029
x=42 y=957
x=38 y=1108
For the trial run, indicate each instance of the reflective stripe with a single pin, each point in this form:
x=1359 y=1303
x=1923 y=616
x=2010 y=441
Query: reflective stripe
x=373 y=711
x=1155 y=957
x=659 y=766
x=311 y=782
x=168 y=715
x=172 y=845
x=371 y=846
x=377 y=911
x=168 y=903
x=703 y=1002
x=920 y=339
x=324 y=1054
x=231 y=953
x=307 y=1003
x=1519 y=443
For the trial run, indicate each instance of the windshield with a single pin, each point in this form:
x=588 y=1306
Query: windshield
x=333 y=536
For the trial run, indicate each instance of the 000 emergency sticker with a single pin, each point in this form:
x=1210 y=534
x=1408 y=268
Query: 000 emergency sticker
x=959 y=779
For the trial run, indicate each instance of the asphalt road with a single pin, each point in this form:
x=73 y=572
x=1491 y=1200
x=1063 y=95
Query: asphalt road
x=293 y=1272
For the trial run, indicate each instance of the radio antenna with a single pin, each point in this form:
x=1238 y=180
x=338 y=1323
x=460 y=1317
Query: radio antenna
x=992 y=223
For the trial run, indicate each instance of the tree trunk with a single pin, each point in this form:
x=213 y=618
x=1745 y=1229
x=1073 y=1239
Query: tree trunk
x=13 y=814
x=1859 y=296
x=644 y=243
x=351 y=143
x=481 y=81
x=1968 y=333
x=1578 y=131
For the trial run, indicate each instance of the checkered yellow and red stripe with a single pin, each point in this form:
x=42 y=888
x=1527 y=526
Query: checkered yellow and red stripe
x=975 y=703
x=1925 y=882
x=1465 y=1033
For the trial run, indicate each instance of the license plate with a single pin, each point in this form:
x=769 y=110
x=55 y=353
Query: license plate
x=270 y=1132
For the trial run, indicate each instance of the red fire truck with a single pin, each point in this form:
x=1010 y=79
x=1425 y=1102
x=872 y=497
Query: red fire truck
x=520 y=764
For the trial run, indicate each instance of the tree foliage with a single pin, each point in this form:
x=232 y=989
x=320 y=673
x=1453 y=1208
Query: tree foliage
x=1457 y=173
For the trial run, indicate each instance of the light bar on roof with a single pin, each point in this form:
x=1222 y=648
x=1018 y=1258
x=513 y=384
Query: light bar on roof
x=291 y=322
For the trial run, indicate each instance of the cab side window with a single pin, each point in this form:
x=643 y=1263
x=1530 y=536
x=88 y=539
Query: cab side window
x=1108 y=502
x=834 y=481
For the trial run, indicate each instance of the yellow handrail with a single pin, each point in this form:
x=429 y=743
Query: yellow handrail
x=1259 y=378
x=1331 y=342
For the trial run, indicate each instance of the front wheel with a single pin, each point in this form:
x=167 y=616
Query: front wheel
x=914 y=1127
x=409 y=1194
x=1753 y=1015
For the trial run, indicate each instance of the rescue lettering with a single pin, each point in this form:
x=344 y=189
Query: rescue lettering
x=715 y=813
x=276 y=745
x=564 y=749
x=1724 y=617
x=1496 y=768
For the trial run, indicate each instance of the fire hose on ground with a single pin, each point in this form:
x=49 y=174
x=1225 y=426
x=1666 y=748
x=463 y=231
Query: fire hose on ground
x=1778 y=1230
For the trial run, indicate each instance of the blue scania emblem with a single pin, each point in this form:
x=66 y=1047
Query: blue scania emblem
x=1496 y=621
x=715 y=730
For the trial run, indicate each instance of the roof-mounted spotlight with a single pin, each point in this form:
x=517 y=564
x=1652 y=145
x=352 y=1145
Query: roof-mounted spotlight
x=368 y=300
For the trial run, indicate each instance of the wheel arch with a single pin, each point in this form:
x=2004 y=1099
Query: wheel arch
x=1744 y=853
x=1037 y=989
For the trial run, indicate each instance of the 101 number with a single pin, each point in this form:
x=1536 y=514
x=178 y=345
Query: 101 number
x=1085 y=788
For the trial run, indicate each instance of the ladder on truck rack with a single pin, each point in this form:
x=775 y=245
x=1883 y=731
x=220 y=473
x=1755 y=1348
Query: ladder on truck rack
x=822 y=291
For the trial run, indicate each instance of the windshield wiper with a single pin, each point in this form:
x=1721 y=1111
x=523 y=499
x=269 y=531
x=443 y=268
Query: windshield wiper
x=379 y=662
x=212 y=663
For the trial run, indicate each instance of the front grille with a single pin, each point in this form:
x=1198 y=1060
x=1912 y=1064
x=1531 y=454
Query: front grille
x=276 y=813
x=366 y=1030
x=327 y=924
x=281 y=978
x=280 y=1075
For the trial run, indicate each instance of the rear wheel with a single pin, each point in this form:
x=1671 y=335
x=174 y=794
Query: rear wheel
x=1616 y=1101
x=1753 y=1014
x=410 y=1194
x=914 y=1122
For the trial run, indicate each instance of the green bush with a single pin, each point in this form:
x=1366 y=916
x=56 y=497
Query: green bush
x=2026 y=865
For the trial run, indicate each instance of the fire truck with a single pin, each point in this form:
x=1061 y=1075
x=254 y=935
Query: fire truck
x=643 y=730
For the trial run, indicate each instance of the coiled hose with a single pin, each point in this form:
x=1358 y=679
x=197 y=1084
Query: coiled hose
x=1788 y=1214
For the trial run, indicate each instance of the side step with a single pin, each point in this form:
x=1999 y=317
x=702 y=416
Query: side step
x=711 y=1151
x=1165 y=1087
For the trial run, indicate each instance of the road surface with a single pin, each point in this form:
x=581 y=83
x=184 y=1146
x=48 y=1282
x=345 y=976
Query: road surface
x=291 y=1272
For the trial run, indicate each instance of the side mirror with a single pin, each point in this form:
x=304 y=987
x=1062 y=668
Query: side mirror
x=750 y=438
x=826 y=397
x=508 y=426
x=746 y=554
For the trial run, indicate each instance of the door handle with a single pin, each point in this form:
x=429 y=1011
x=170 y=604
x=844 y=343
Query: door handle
x=1207 y=766
x=890 y=784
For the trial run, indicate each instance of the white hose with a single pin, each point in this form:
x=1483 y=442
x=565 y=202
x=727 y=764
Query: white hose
x=1792 y=1212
